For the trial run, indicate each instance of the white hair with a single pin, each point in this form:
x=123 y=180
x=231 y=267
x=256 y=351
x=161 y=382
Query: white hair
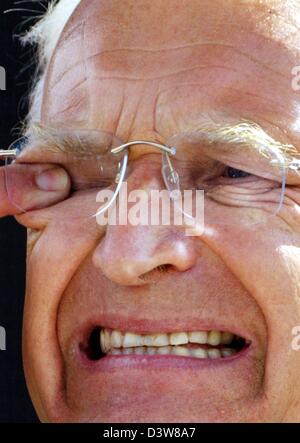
x=45 y=35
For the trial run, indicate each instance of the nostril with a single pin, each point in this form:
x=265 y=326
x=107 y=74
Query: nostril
x=165 y=268
x=157 y=272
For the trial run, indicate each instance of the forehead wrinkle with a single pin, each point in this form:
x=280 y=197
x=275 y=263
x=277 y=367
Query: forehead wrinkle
x=85 y=19
x=61 y=52
x=119 y=63
x=68 y=71
x=253 y=100
x=69 y=99
x=116 y=51
x=163 y=76
x=103 y=44
x=145 y=54
x=167 y=48
x=75 y=92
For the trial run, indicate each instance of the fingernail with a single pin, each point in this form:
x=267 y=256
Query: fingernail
x=55 y=179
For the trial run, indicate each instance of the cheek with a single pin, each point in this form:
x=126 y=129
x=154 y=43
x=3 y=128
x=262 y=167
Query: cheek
x=256 y=257
x=54 y=255
x=267 y=263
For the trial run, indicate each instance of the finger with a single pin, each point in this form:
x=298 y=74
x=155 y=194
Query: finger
x=25 y=187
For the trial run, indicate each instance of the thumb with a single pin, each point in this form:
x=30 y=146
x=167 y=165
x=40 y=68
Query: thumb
x=25 y=187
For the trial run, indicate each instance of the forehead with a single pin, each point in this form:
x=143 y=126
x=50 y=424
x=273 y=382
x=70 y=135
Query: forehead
x=150 y=67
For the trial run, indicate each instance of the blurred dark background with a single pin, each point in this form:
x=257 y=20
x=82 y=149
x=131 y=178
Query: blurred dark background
x=15 y=404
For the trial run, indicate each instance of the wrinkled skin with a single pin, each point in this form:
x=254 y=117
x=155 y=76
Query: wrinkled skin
x=147 y=70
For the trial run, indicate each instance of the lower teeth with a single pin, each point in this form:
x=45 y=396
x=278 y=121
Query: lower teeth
x=182 y=351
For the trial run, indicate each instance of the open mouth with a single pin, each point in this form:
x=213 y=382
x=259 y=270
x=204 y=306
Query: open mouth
x=197 y=344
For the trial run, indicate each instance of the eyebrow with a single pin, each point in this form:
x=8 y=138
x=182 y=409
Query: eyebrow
x=244 y=133
x=240 y=132
x=70 y=140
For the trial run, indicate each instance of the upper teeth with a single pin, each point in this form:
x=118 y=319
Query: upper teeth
x=111 y=340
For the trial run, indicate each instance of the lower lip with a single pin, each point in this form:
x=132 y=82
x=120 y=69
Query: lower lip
x=110 y=362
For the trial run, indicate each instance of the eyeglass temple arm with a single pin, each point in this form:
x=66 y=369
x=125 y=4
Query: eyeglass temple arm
x=7 y=153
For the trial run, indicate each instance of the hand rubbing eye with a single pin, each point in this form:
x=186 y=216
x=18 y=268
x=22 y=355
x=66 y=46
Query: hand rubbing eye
x=235 y=173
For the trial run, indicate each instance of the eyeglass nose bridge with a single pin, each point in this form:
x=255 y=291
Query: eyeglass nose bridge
x=121 y=148
x=122 y=166
x=166 y=151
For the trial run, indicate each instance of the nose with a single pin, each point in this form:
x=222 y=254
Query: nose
x=128 y=254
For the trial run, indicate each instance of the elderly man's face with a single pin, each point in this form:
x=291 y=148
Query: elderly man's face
x=148 y=70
